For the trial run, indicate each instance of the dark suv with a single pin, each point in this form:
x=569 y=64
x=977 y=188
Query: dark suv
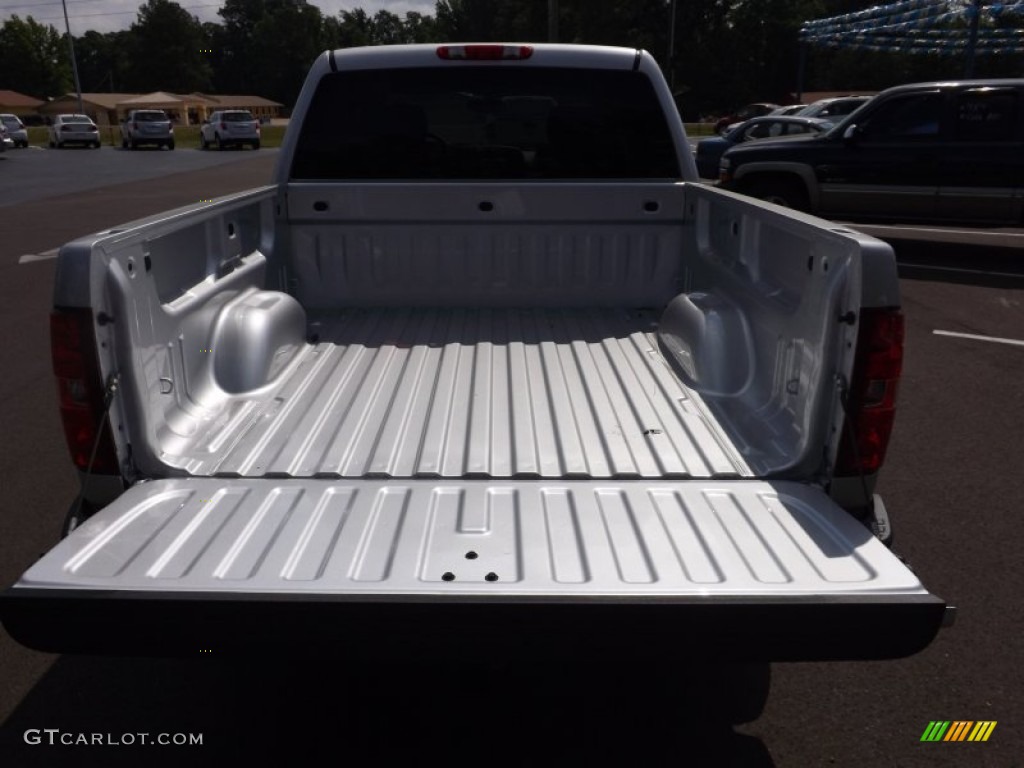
x=925 y=152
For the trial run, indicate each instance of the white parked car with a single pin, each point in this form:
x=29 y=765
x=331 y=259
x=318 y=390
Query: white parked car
x=74 y=129
x=15 y=129
x=230 y=126
x=147 y=126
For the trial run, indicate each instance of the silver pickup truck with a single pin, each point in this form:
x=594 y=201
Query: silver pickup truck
x=484 y=369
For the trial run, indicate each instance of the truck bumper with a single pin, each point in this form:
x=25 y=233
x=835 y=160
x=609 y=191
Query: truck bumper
x=733 y=628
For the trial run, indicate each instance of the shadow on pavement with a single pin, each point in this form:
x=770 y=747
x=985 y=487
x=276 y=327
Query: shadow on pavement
x=983 y=266
x=301 y=713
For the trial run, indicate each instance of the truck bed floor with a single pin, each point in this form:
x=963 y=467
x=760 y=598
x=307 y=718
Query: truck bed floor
x=471 y=393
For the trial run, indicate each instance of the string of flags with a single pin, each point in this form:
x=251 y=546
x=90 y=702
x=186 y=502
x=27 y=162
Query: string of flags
x=923 y=26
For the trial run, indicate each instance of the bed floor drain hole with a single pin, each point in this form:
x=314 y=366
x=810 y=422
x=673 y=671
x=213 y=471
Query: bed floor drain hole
x=652 y=431
x=448 y=576
x=472 y=555
x=491 y=576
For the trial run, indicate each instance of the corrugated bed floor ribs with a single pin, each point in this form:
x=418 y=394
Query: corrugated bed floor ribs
x=474 y=393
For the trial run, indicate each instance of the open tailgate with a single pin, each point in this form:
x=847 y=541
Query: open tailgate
x=740 y=568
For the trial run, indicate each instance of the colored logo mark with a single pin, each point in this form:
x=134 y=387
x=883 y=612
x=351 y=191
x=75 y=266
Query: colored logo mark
x=958 y=730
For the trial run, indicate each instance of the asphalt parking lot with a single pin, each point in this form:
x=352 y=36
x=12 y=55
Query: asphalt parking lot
x=38 y=173
x=951 y=483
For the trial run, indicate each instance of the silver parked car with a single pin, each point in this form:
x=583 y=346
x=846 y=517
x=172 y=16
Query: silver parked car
x=792 y=109
x=15 y=129
x=830 y=109
x=230 y=126
x=147 y=126
x=708 y=152
x=74 y=129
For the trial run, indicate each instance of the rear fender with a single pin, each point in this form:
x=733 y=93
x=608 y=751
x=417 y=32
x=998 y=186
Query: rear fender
x=748 y=172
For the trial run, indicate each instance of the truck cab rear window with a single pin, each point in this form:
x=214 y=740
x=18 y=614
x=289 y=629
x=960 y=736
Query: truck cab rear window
x=485 y=122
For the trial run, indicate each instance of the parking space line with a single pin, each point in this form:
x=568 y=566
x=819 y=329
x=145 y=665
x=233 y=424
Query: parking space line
x=905 y=265
x=28 y=258
x=976 y=337
x=1006 y=237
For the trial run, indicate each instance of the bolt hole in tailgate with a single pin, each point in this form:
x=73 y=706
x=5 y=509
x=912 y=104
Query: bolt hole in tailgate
x=736 y=568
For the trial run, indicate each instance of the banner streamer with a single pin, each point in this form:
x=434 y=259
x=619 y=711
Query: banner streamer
x=922 y=26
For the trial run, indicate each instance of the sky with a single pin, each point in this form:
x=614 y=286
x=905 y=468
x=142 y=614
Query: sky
x=112 y=15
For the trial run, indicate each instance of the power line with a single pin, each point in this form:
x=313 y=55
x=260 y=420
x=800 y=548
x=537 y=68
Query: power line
x=45 y=2
x=86 y=15
x=116 y=13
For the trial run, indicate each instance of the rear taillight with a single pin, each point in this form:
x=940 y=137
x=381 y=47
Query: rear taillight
x=135 y=126
x=80 y=389
x=871 y=400
x=65 y=127
x=484 y=52
x=223 y=126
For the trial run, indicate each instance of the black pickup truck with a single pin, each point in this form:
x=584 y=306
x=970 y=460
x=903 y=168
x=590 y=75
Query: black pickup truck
x=931 y=152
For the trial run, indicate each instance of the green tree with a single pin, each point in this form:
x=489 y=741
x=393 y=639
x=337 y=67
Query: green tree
x=760 y=46
x=216 y=37
x=357 y=28
x=34 y=58
x=464 y=21
x=388 y=28
x=420 y=28
x=167 y=46
x=351 y=29
x=269 y=46
x=104 y=61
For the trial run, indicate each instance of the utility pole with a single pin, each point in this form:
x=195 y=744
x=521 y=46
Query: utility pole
x=672 y=47
x=552 y=21
x=800 y=68
x=975 y=16
x=74 y=64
